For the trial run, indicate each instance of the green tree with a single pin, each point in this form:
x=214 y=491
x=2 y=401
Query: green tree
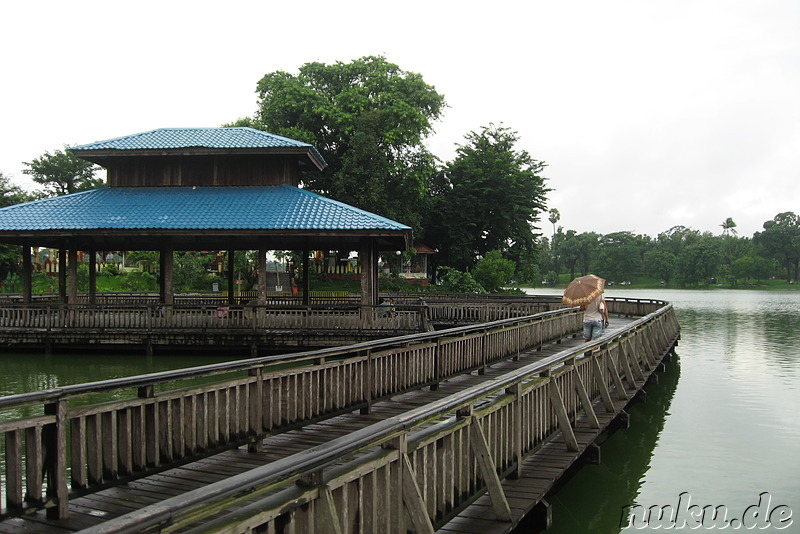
x=62 y=173
x=728 y=227
x=493 y=271
x=620 y=255
x=10 y=194
x=554 y=217
x=488 y=198
x=368 y=118
x=781 y=240
x=456 y=281
x=661 y=263
x=698 y=262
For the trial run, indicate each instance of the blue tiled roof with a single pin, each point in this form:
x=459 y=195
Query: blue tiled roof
x=192 y=208
x=215 y=138
x=165 y=138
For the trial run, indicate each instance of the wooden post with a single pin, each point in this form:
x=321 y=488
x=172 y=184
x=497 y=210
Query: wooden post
x=62 y=275
x=167 y=262
x=231 y=270
x=27 y=274
x=306 y=279
x=262 y=272
x=93 y=276
x=55 y=439
x=72 y=279
x=368 y=258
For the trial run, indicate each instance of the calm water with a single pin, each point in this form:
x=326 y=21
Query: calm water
x=722 y=426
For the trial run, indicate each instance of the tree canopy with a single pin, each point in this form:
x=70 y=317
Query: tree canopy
x=488 y=198
x=62 y=173
x=368 y=119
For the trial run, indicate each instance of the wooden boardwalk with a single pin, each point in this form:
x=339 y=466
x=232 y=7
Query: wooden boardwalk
x=539 y=471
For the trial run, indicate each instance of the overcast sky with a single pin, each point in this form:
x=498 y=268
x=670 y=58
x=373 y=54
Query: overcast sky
x=649 y=114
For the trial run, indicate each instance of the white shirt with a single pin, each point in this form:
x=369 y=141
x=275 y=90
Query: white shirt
x=594 y=310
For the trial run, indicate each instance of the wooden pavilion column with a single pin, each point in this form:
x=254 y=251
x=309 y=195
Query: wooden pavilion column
x=231 y=291
x=62 y=275
x=166 y=262
x=262 y=272
x=306 y=279
x=27 y=275
x=72 y=276
x=368 y=257
x=93 y=276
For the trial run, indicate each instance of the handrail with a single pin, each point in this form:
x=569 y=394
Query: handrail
x=51 y=395
x=282 y=472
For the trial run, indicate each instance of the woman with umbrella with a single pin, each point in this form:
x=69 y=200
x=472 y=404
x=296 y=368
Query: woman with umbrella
x=587 y=292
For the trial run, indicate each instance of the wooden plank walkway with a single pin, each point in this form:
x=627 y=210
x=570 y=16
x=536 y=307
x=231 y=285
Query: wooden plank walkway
x=539 y=473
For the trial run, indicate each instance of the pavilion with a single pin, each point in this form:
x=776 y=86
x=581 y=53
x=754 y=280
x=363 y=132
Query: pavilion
x=171 y=189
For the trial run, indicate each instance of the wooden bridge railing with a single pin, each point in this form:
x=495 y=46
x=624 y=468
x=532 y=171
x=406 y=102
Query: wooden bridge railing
x=412 y=477
x=72 y=446
x=51 y=318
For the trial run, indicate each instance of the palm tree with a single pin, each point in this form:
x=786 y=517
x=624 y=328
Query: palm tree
x=728 y=227
x=555 y=216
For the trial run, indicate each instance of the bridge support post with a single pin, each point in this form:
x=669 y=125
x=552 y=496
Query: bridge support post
x=55 y=443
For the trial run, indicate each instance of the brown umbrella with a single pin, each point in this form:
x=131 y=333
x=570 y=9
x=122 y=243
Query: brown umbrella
x=583 y=290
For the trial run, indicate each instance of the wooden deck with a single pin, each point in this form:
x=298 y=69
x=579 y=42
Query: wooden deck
x=537 y=474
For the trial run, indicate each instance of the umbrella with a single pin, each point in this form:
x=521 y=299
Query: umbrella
x=583 y=290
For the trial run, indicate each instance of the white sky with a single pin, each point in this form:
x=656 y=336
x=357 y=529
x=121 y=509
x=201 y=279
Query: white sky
x=666 y=112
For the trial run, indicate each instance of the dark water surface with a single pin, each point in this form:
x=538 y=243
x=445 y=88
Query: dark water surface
x=722 y=427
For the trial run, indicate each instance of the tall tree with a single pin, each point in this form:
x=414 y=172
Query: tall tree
x=728 y=227
x=10 y=194
x=781 y=240
x=368 y=118
x=554 y=217
x=488 y=198
x=62 y=173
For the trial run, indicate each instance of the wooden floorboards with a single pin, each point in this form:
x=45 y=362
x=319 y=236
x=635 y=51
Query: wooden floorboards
x=539 y=472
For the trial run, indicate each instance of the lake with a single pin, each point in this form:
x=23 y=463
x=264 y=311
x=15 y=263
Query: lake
x=721 y=429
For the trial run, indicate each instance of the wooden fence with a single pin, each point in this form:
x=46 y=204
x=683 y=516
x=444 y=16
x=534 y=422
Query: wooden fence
x=72 y=446
x=403 y=474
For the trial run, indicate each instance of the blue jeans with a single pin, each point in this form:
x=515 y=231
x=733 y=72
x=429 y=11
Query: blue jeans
x=592 y=330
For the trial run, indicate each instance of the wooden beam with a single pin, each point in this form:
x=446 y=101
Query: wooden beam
x=586 y=402
x=605 y=395
x=412 y=498
x=489 y=470
x=329 y=518
x=561 y=413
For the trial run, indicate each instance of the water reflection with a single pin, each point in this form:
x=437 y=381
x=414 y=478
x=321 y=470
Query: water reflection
x=732 y=429
x=593 y=499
